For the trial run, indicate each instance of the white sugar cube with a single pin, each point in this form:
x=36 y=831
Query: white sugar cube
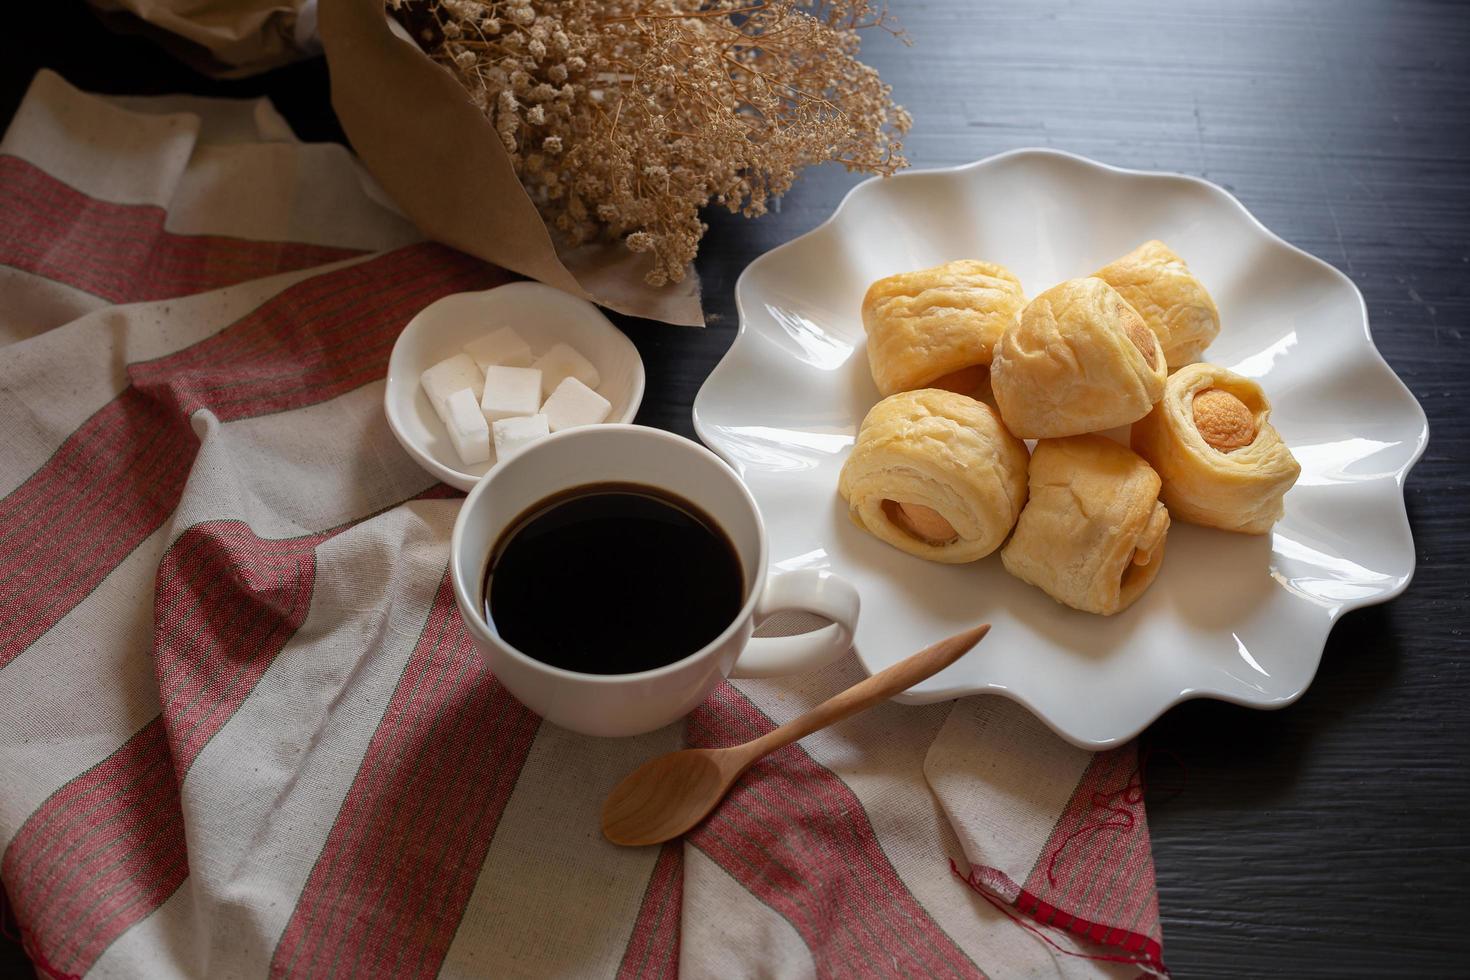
x=467 y=428
x=561 y=362
x=513 y=435
x=503 y=346
x=573 y=404
x=449 y=376
x=510 y=391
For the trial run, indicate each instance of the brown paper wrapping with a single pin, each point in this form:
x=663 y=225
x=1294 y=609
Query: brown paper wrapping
x=438 y=157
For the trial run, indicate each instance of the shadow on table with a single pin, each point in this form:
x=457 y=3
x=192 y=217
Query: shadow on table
x=1196 y=738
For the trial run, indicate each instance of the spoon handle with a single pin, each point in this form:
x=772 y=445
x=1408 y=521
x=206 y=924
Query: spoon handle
x=884 y=684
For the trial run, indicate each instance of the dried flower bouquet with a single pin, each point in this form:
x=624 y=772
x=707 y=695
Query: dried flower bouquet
x=624 y=117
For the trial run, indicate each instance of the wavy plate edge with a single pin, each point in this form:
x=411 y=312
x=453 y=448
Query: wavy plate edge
x=1364 y=337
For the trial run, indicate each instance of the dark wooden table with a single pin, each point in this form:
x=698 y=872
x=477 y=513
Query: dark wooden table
x=1328 y=839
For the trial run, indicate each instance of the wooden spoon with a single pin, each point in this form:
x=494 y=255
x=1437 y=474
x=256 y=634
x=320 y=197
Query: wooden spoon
x=669 y=795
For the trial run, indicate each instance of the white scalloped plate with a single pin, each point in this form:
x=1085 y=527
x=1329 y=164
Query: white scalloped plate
x=1233 y=617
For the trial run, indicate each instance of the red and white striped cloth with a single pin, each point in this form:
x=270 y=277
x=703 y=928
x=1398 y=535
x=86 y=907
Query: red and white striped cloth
x=242 y=730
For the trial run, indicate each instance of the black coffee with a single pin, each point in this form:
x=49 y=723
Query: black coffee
x=612 y=578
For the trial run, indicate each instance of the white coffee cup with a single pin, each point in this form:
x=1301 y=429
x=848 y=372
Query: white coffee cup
x=628 y=704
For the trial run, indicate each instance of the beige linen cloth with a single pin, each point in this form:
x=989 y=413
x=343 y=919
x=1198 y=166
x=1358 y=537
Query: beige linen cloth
x=242 y=730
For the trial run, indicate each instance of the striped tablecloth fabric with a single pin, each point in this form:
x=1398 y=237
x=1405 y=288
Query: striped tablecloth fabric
x=243 y=732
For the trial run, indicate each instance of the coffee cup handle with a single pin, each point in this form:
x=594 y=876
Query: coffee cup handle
x=813 y=590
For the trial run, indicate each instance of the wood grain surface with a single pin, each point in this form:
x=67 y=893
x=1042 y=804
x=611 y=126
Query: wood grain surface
x=1325 y=840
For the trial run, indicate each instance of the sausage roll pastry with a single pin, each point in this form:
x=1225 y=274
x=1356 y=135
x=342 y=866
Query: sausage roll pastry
x=1222 y=463
x=934 y=473
x=1079 y=359
x=1092 y=533
x=937 y=328
x=1169 y=298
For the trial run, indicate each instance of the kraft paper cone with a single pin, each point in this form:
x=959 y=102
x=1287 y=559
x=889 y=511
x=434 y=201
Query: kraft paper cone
x=440 y=160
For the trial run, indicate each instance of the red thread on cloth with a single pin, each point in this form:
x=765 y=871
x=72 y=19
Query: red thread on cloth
x=1131 y=793
x=1142 y=962
x=38 y=958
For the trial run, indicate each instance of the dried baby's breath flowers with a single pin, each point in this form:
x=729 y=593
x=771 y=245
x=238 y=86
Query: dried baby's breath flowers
x=624 y=117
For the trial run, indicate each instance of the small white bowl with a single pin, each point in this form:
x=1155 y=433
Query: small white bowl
x=544 y=317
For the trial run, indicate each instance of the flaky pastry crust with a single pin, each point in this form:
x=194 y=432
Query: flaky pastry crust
x=1079 y=359
x=1174 y=304
x=925 y=325
x=950 y=458
x=1217 y=485
x=1092 y=533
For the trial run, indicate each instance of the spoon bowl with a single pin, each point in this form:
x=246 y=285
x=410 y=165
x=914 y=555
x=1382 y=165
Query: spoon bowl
x=671 y=794
x=636 y=812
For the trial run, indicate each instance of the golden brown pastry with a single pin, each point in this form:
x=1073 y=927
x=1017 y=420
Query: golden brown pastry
x=1222 y=463
x=1079 y=359
x=936 y=474
x=1170 y=299
x=924 y=327
x=1092 y=533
